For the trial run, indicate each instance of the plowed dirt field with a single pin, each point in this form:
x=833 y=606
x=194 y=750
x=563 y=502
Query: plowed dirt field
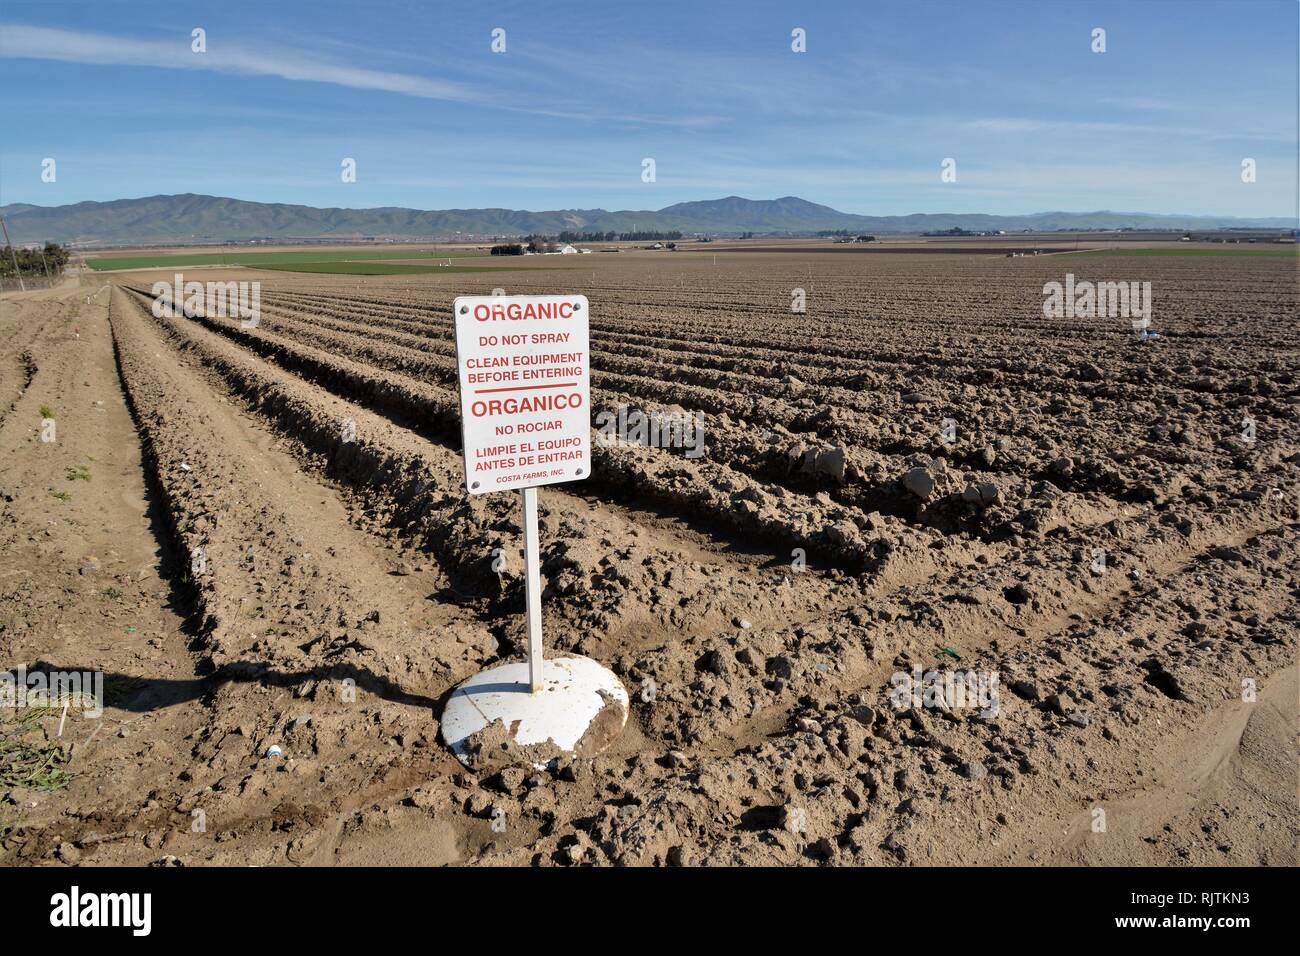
x=260 y=536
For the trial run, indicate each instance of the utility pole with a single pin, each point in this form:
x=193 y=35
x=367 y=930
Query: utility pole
x=21 y=287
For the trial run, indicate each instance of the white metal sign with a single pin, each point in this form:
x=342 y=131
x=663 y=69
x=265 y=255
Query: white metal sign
x=525 y=390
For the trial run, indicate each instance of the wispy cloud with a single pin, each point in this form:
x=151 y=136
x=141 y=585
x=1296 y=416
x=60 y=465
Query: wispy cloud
x=44 y=43
x=1015 y=124
x=1146 y=103
x=72 y=46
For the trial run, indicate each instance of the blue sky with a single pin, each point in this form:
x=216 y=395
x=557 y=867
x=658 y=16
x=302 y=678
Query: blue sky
x=712 y=92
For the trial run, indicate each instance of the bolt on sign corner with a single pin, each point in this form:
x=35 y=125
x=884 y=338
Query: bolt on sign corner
x=525 y=390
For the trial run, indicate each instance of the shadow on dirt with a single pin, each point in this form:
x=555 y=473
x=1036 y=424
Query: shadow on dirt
x=141 y=694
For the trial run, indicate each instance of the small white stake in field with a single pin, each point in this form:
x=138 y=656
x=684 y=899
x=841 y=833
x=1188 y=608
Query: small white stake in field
x=525 y=404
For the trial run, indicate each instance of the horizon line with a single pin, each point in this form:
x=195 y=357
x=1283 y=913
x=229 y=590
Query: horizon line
x=1045 y=212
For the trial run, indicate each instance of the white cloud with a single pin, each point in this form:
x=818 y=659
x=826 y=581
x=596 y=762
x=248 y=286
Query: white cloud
x=1014 y=124
x=1138 y=102
x=44 y=43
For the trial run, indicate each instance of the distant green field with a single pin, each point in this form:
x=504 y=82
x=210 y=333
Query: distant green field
x=373 y=268
x=1283 y=251
x=239 y=258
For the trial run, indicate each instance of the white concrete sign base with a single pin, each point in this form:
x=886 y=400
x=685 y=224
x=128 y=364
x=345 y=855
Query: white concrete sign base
x=561 y=712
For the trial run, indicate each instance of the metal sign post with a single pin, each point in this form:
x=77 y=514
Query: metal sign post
x=525 y=405
x=532 y=588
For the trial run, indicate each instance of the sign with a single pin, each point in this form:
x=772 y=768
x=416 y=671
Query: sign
x=525 y=390
x=525 y=410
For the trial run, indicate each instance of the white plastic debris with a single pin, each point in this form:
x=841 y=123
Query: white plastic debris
x=274 y=751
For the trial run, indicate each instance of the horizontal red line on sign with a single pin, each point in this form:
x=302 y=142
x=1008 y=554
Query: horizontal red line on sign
x=523 y=388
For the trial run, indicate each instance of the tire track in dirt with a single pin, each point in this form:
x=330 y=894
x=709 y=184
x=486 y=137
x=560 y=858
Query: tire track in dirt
x=1227 y=775
x=87 y=587
x=25 y=322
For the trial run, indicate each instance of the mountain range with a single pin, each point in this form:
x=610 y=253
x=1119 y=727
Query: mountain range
x=191 y=218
